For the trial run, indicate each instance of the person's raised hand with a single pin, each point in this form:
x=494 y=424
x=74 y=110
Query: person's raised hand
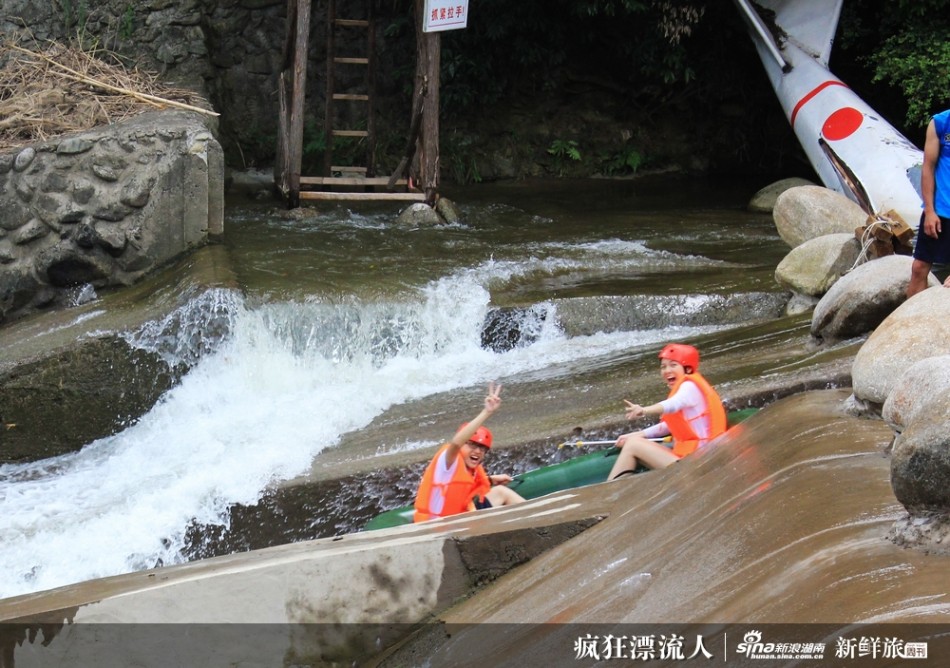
x=493 y=399
x=634 y=411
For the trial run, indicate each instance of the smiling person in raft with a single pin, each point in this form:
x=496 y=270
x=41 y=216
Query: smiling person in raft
x=692 y=414
x=454 y=481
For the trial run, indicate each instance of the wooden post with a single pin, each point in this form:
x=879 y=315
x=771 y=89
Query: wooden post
x=282 y=167
x=328 y=113
x=292 y=92
x=428 y=57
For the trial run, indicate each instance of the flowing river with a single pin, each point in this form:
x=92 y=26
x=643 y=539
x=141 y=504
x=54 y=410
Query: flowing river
x=351 y=346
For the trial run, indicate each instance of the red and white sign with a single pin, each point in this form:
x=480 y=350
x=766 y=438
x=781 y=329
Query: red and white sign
x=445 y=15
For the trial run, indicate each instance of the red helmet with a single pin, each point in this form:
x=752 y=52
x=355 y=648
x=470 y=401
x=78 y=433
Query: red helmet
x=685 y=354
x=481 y=436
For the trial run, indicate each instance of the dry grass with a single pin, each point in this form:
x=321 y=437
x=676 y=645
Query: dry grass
x=60 y=89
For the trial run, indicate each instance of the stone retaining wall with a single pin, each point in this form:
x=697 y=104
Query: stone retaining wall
x=105 y=207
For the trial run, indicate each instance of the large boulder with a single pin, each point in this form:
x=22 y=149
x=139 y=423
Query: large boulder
x=914 y=393
x=920 y=460
x=860 y=300
x=807 y=212
x=764 y=200
x=917 y=329
x=918 y=409
x=814 y=266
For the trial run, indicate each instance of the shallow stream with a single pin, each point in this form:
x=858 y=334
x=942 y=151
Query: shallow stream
x=352 y=346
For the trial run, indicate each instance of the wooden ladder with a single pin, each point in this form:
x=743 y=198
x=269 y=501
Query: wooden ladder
x=351 y=182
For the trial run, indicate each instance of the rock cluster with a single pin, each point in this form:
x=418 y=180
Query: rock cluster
x=421 y=214
x=902 y=370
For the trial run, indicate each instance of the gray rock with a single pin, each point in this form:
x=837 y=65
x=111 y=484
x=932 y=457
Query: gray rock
x=24 y=159
x=812 y=267
x=799 y=303
x=807 y=212
x=917 y=329
x=105 y=172
x=920 y=461
x=111 y=238
x=136 y=192
x=448 y=210
x=419 y=214
x=74 y=145
x=764 y=200
x=914 y=393
x=860 y=300
x=33 y=230
x=18 y=285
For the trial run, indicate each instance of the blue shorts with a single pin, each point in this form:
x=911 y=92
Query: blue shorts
x=928 y=249
x=482 y=503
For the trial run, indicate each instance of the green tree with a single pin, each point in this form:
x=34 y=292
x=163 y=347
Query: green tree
x=906 y=45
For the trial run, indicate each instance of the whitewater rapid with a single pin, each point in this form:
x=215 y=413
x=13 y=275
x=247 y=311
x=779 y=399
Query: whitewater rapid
x=269 y=386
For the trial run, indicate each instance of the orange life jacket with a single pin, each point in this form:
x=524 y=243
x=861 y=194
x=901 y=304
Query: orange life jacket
x=451 y=498
x=685 y=439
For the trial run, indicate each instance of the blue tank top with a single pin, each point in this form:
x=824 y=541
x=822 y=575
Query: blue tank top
x=942 y=174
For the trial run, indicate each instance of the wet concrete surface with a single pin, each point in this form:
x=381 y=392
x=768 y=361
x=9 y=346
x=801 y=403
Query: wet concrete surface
x=785 y=523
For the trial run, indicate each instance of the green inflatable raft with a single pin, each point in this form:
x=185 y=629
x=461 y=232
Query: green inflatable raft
x=577 y=472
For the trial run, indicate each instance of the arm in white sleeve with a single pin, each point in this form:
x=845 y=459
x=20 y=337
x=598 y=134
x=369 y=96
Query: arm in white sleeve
x=687 y=396
x=658 y=430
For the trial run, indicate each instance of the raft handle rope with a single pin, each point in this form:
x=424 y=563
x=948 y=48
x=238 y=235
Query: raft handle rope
x=868 y=237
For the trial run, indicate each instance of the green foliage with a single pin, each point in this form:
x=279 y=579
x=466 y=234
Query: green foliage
x=627 y=160
x=126 y=24
x=564 y=152
x=565 y=149
x=919 y=69
x=464 y=169
x=346 y=150
x=531 y=45
x=906 y=45
x=314 y=146
x=75 y=14
x=458 y=153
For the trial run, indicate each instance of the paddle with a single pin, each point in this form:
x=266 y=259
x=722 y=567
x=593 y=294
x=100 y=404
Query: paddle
x=573 y=444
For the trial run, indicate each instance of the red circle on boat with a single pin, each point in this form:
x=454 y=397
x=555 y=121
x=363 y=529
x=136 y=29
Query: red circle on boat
x=842 y=123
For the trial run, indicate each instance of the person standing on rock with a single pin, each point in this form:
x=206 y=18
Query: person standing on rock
x=692 y=414
x=933 y=235
x=454 y=481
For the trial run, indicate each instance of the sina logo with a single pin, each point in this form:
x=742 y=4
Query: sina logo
x=752 y=645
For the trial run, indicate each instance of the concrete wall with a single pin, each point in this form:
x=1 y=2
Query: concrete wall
x=334 y=601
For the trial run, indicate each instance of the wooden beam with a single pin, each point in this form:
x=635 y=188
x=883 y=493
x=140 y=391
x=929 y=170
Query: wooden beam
x=326 y=196
x=358 y=181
